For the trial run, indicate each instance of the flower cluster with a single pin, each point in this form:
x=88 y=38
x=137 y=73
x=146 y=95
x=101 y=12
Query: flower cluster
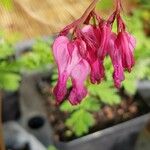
x=82 y=53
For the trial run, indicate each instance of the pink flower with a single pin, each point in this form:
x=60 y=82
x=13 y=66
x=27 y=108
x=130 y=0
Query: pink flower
x=115 y=56
x=61 y=55
x=126 y=44
x=105 y=29
x=85 y=52
x=68 y=61
x=92 y=36
x=78 y=76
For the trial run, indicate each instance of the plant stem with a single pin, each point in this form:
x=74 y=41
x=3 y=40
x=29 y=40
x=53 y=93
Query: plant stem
x=82 y=19
x=88 y=11
x=2 y=144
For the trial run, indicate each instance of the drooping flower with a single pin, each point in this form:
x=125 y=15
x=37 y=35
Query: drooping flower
x=115 y=56
x=69 y=63
x=92 y=35
x=83 y=53
x=62 y=57
x=105 y=29
x=126 y=44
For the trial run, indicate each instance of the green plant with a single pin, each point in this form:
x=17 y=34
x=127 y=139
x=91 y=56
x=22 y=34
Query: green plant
x=81 y=118
x=9 y=67
x=52 y=148
x=6 y=3
x=40 y=56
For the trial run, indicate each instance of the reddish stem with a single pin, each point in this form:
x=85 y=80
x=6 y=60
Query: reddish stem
x=82 y=19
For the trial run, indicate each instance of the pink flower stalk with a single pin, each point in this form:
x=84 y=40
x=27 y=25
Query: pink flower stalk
x=84 y=53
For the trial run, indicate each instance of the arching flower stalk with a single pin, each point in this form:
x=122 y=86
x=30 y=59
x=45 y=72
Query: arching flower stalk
x=83 y=54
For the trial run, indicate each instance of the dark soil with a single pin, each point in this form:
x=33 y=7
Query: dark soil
x=108 y=116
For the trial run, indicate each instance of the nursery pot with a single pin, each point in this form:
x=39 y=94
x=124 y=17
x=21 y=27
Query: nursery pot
x=10 y=106
x=122 y=136
x=119 y=137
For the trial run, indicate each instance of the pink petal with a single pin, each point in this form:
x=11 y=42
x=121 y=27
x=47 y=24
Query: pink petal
x=126 y=43
x=81 y=47
x=92 y=37
x=97 y=72
x=67 y=57
x=74 y=56
x=92 y=32
x=114 y=53
x=132 y=42
x=105 y=37
x=62 y=57
x=60 y=89
x=61 y=53
x=78 y=76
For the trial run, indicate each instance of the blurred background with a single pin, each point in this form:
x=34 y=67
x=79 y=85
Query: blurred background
x=108 y=119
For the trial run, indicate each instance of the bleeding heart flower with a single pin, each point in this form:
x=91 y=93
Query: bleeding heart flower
x=62 y=57
x=126 y=44
x=92 y=36
x=68 y=60
x=85 y=51
x=115 y=56
x=105 y=37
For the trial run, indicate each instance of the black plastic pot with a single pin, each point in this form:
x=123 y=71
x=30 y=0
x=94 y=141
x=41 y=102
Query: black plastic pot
x=17 y=138
x=33 y=109
x=120 y=137
x=144 y=90
x=10 y=106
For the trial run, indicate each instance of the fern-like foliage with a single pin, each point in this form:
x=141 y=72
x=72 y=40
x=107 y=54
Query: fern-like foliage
x=81 y=117
x=40 y=56
x=6 y=4
x=9 y=67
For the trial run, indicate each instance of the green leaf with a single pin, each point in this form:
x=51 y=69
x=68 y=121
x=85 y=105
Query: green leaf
x=91 y=104
x=130 y=83
x=9 y=67
x=80 y=122
x=67 y=107
x=5 y=49
x=6 y=3
x=9 y=81
x=106 y=92
x=52 y=148
x=40 y=56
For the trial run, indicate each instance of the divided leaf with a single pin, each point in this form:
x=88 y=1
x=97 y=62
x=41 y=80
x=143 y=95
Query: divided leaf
x=9 y=81
x=88 y=104
x=106 y=92
x=80 y=122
